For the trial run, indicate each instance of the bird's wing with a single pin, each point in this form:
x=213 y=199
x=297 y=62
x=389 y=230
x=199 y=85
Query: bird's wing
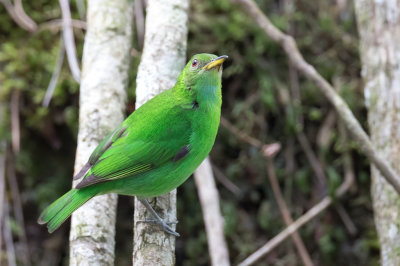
x=100 y=149
x=136 y=151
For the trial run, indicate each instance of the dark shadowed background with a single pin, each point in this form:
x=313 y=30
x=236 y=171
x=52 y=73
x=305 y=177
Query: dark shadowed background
x=263 y=97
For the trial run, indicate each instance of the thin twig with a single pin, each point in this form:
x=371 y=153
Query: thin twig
x=269 y=151
x=241 y=135
x=348 y=172
x=55 y=75
x=304 y=255
x=344 y=216
x=324 y=135
x=274 y=242
x=19 y=10
x=56 y=24
x=15 y=128
x=219 y=175
x=310 y=214
x=347 y=159
x=19 y=16
x=213 y=220
x=301 y=137
x=312 y=159
x=17 y=206
x=68 y=36
x=8 y=239
x=289 y=45
x=323 y=139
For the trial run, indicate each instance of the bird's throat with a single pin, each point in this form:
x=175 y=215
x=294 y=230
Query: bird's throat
x=209 y=97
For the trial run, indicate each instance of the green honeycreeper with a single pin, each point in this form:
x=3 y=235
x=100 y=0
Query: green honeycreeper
x=156 y=148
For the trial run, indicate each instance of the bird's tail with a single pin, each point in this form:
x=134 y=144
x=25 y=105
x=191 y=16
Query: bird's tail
x=55 y=214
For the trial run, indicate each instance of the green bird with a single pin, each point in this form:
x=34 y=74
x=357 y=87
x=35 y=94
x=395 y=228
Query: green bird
x=156 y=148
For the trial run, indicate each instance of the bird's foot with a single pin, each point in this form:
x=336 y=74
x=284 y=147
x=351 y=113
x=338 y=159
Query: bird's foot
x=158 y=220
x=165 y=226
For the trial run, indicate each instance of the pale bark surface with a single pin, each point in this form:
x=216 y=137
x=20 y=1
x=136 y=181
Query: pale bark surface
x=102 y=101
x=379 y=27
x=162 y=60
x=213 y=220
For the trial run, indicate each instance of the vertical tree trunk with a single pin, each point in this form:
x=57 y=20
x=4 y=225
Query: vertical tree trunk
x=102 y=101
x=162 y=60
x=379 y=28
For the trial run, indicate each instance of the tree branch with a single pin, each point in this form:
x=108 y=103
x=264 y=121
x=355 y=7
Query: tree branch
x=287 y=218
x=310 y=214
x=55 y=75
x=18 y=14
x=15 y=125
x=68 y=36
x=17 y=207
x=274 y=242
x=56 y=24
x=219 y=175
x=290 y=47
x=213 y=220
x=8 y=238
x=269 y=150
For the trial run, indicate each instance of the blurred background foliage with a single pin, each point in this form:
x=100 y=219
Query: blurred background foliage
x=263 y=96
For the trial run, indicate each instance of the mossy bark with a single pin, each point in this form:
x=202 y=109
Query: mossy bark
x=379 y=28
x=162 y=60
x=102 y=99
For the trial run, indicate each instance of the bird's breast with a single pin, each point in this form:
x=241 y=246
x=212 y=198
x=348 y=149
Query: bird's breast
x=205 y=127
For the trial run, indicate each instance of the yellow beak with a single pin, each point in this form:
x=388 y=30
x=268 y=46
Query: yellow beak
x=215 y=63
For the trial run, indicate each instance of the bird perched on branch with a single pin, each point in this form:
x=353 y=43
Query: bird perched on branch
x=156 y=148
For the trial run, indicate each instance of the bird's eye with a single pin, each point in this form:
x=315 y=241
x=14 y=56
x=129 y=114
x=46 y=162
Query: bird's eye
x=194 y=63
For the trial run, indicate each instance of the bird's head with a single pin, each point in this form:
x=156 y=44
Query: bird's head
x=201 y=76
x=203 y=68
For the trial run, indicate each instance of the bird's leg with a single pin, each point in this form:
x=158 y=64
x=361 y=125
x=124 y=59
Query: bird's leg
x=158 y=220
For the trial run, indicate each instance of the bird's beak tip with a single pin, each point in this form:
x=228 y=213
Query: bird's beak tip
x=215 y=62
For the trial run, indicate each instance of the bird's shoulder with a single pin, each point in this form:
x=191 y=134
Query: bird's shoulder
x=162 y=117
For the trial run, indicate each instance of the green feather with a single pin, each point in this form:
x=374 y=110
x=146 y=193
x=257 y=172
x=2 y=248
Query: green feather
x=55 y=214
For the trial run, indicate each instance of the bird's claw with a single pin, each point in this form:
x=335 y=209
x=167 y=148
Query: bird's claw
x=164 y=225
x=168 y=229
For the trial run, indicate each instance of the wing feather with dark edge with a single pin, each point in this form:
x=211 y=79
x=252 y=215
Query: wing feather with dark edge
x=83 y=171
x=182 y=153
x=106 y=143
x=146 y=147
x=92 y=179
x=120 y=165
x=100 y=149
